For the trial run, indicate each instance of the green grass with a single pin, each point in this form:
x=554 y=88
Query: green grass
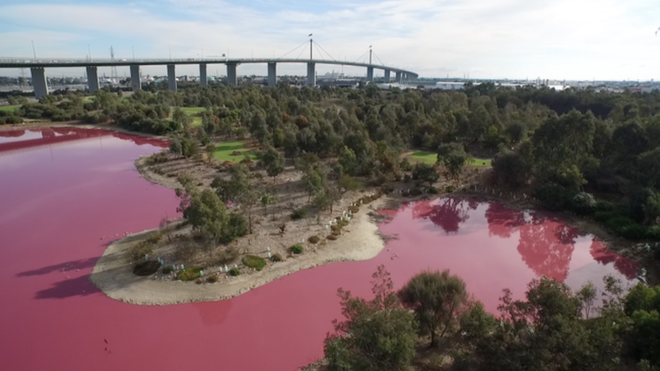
x=9 y=108
x=193 y=112
x=224 y=150
x=430 y=158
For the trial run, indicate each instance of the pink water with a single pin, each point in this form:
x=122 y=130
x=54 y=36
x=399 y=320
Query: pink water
x=64 y=194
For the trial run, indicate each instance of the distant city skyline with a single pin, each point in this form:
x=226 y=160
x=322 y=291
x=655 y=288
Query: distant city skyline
x=517 y=39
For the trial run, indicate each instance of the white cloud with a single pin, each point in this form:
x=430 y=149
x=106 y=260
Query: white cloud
x=606 y=39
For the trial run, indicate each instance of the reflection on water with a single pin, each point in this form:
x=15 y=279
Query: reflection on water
x=545 y=245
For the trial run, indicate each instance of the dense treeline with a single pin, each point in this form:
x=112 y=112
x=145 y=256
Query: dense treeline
x=552 y=328
x=593 y=153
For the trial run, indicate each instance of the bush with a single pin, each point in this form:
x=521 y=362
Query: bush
x=336 y=229
x=255 y=262
x=167 y=269
x=155 y=237
x=228 y=255
x=434 y=191
x=141 y=250
x=552 y=196
x=296 y=249
x=449 y=189
x=332 y=237
x=298 y=214
x=353 y=209
x=342 y=223
x=276 y=257
x=314 y=239
x=234 y=272
x=237 y=226
x=415 y=192
x=582 y=204
x=189 y=273
x=146 y=268
x=213 y=279
x=653 y=233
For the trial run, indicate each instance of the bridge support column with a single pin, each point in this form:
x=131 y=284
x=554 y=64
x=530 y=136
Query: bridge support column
x=202 y=74
x=92 y=79
x=272 y=74
x=311 y=74
x=136 y=84
x=232 y=78
x=398 y=76
x=370 y=74
x=39 y=82
x=171 y=77
x=387 y=76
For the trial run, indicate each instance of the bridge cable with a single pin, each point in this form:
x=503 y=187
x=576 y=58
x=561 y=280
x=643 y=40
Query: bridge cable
x=302 y=51
x=360 y=57
x=292 y=50
x=381 y=62
x=325 y=51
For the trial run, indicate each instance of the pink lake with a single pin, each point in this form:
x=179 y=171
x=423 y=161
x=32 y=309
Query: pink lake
x=66 y=193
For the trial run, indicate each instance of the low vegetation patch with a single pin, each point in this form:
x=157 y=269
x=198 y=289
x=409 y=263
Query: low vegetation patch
x=254 y=261
x=332 y=237
x=314 y=239
x=225 y=151
x=189 y=273
x=213 y=279
x=298 y=214
x=430 y=158
x=141 y=250
x=167 y=269
x=276 y=257
x=296 y=249
x=234 y=272
x=146 y=268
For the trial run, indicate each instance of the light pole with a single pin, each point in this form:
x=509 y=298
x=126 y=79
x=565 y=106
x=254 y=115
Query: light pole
x=34 y=52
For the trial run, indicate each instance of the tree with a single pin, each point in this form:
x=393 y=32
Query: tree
x=436 y=298
x=425 y=173
x=210 y=150
x=267 y=199
x=454 y=158
x=273 y=162
x=207 y=214
x=376 y=335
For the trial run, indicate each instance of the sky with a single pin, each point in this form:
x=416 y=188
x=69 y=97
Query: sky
x=489 y=39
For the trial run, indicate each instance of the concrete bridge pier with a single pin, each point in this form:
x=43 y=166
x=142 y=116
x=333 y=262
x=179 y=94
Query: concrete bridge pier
x=92 y=79
x=387 y=76
x=171 y=77
x=39 y=82
x=311 y=74
x=136 y=84
x=272 y=74
x=232 y=78
x=370 y=74
x=398 y=76
x=202 y=74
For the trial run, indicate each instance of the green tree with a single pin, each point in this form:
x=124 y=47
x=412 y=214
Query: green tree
x=436 y=298
x=454 y=158
x=208 y=215
x=425 y=173
x=375 y=335
x=273 y=162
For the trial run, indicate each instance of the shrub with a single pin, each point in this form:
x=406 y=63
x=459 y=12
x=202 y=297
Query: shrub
x=141 y=250
x=296 y=249
x=276 y=257
x=336 y=229
x=342 y=223
x=633 y=231
x=653 y=233
x=582 y=204
x=415 y=192
x=228 y=255
x=298 y=214
x=254 y=261
x=199 y=281
x=234 y=272
x=154 y=237
x=434 y=191
x=314 y=239
x=353 y=209
x=146 y=268
x=332 y=237
x=167 y=269
x=449 y=189
x=553 y=196
x=189 y=273
x=387 y=189
x=213 y=279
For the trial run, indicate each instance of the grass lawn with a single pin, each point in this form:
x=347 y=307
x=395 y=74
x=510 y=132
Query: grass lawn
x=9 y=108
x=223 y=151
x=192 y=112
x=430 y=158
x=88 y=99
